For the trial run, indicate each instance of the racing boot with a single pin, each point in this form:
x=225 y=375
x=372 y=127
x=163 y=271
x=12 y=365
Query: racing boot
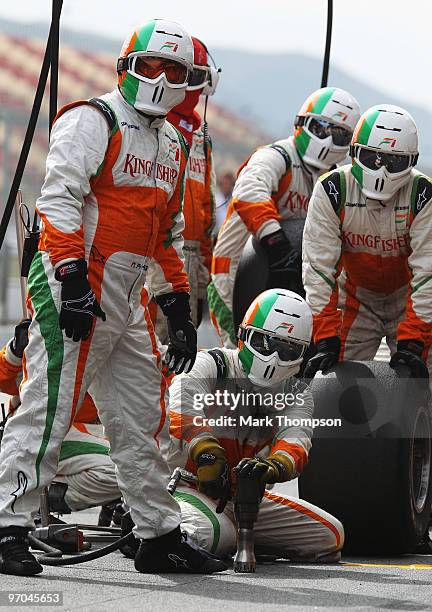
x=15 y=557
x=129 y=549
x=172 y=553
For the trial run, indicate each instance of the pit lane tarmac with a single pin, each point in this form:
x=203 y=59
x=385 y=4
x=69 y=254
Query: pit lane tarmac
x=111 y=583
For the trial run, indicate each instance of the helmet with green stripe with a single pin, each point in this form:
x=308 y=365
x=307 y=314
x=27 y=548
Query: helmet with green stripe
x=384 y=148
x=273 y=336
x=324 y=127
x=154 y=66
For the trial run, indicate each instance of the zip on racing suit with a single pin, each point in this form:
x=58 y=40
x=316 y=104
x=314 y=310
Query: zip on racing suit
x=273 y=185
x=112 y=195
x=286 y=526
x=84 y=462
x=385 y=251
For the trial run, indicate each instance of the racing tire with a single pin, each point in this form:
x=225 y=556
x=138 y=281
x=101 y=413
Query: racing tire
x=374 y=471
x=253 y=270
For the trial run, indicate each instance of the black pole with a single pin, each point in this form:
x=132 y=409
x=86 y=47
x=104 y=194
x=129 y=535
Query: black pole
x=55 y=33
x=326 y=63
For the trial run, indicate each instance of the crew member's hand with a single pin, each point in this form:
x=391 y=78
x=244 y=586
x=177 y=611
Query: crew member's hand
x=326 y=356
x=182 y=345
x=79 y=306
x=409 y=353
x=276 y=468
x=20 y=339
x=284 y=260
x=213 y=471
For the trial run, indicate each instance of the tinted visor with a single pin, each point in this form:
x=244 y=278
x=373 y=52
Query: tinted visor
x=323 y=129
x=374 y=160
x=152 y=67
x=198 y=77
x=266 y=345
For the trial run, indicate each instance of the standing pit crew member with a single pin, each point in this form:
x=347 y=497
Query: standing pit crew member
x=275 y=185
x=274 y=336
x=111 y=201
x=200 y=180
x=373 y=220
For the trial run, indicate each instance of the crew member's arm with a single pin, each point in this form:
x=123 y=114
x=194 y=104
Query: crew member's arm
x=414 y=332
x=253 y=192
x=322 y=244
x=79 y=139
x=10 y=370
x=291 y=445
x=168 y=273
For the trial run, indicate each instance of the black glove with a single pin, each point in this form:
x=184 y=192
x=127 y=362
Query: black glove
x=284 y=261
x=408 y=353
x=268 y=470
x=213 y=475
x=20 y=339
x=327 y=355
x=79 y=304
x=182 y=345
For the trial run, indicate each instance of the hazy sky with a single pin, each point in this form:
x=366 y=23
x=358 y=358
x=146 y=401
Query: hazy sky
x=384 y=42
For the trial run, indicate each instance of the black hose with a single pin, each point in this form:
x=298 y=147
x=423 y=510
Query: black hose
x=54 y=55
x=326 y=64
x=50 y=550
x=95 y=554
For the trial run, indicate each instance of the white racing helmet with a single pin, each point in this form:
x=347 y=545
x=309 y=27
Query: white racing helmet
x=154 y=66
x=324 y=127
x=273 y=336
x=384 y=148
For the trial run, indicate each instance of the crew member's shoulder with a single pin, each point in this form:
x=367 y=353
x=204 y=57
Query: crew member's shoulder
x=419 y=191
x=335 y=184
x=285 y=150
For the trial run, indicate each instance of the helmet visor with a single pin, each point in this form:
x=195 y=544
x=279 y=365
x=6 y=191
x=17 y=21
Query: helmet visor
x=323 y=129
x=265 y=344
x=199 y=77
x=152 y=67
x=374 y=160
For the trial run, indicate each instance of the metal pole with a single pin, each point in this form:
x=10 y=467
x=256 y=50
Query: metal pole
x=326 y=63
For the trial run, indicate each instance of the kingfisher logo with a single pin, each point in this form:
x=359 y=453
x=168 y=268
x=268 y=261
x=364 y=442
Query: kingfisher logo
x=286 y=326
x=388 y=141
x=170 y=45
x=340 y=115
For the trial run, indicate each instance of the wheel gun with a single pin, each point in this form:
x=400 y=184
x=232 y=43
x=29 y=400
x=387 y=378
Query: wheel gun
x=249 y=492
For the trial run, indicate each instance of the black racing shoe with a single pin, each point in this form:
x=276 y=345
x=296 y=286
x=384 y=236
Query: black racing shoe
x=15 y=557
x=130 y=549
x=171 y=553
x=106 y=513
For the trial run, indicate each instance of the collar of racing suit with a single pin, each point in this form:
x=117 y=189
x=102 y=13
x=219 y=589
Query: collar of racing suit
x=146 y=120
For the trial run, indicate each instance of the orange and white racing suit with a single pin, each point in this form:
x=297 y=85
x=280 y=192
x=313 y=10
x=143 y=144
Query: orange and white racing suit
x=287 y=526
x=273 y=185
x=385 y=252
x=112 y=195
x=199 y=214
x=84 y=462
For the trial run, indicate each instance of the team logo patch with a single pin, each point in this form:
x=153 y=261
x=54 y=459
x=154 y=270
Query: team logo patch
x=388 y=141
x=173 y=46
x=340 y=115
x=286 y=326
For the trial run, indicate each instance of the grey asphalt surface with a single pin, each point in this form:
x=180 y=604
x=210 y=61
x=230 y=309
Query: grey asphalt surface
x=111 y=583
